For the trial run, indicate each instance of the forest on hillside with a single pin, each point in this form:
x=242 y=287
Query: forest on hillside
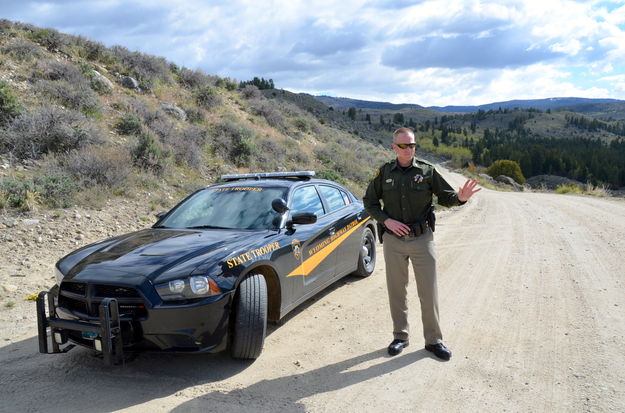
x=579 y=147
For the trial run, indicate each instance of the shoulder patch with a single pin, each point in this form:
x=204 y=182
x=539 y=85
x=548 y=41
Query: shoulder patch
x=423 y=161
x=377 y=173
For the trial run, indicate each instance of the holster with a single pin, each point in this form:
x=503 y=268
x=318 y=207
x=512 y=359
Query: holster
x=431 y=218
x=381 y=229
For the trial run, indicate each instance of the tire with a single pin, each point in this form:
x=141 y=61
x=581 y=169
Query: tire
x=250 y=318
x=366 y=256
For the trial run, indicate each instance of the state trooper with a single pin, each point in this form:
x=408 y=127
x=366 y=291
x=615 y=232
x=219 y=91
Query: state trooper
x=405 y=186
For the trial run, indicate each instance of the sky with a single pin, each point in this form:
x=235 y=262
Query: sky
x=430 y=52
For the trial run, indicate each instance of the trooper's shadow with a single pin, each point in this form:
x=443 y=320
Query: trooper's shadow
x=287 y=391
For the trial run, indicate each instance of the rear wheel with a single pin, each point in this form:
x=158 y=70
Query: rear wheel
x=250 y=318
x=366 y=259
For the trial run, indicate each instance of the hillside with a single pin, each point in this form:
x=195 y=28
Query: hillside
x=81 y=123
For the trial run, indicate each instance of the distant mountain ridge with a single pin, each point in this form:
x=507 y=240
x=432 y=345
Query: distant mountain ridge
x=345 y=103
x=583 y=105
x=542 y=104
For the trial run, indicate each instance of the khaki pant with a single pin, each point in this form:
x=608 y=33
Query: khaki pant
x=420 y=251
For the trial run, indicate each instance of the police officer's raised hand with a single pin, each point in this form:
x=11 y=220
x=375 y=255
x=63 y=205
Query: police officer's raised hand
x=467 y=190
x=397 y=227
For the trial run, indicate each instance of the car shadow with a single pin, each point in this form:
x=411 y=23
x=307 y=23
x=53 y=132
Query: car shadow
x=82 y=382
x=286 y=393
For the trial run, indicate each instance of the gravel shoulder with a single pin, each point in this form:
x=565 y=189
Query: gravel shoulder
x=532 y=301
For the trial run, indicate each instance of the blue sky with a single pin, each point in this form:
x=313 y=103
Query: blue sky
x=429 y=52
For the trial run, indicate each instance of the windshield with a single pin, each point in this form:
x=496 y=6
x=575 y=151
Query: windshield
x=236 y=207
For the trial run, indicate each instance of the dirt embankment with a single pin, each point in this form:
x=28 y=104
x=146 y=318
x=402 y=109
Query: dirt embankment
x=532 y=301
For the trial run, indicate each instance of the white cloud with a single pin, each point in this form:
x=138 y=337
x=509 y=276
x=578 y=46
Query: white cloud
x=429 y=52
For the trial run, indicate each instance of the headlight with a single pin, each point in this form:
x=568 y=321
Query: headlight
x=189 y=288
x=58 y=275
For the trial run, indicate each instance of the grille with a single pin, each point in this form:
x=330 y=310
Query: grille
x=76 y=288
x=85 y=299
x=113 y=291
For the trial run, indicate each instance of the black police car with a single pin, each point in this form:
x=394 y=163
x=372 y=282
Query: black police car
x=212 y=271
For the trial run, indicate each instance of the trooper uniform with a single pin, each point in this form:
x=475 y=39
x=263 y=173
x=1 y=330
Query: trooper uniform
x=406 y=195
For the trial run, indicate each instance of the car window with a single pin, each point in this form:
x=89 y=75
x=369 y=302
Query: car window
x=232 y=207
x=333 y=197
x=307 y=199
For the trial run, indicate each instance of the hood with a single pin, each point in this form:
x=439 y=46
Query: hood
x=149 y=253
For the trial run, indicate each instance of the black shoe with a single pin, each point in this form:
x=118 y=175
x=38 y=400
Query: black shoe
x=439 y=350
x=397 y=346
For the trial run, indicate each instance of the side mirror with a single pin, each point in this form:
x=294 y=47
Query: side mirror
x=304 y=218
x=160 y=215
x=279 y=205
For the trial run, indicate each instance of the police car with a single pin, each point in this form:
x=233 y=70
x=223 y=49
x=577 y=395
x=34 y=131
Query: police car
x=210 y=273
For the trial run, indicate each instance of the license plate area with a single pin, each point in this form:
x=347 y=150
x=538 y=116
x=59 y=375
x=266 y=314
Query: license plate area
x=89 y=335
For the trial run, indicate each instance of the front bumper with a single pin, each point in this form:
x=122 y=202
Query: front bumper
x=197 y=327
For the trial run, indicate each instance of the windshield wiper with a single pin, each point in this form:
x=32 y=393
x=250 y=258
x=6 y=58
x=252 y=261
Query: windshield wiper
x=207 y=227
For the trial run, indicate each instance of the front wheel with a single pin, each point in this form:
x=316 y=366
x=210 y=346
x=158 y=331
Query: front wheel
x=366 y=258
x=250 y=318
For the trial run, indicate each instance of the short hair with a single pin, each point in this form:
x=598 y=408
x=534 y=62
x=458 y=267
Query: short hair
x=402 y=130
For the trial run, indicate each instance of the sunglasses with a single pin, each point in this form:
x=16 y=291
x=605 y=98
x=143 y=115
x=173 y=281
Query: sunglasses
x=406 y=145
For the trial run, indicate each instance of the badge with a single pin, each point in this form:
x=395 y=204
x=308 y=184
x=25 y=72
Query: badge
x=418 y=178
x=297 y=247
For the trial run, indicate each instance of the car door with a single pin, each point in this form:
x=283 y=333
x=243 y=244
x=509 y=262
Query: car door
x=344 y=213
x=316 y=265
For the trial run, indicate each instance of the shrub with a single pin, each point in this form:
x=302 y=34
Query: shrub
x=147 y=68
x=9 y=108
x=230 y=84
x=128 y=124
x=269 y=154
x=94 y=51
x=194 y=114
x=55 y=70
x=74 y=96
x=508 y=168
x=98 y=166
x=250 y=92
x=51 y=39
x=187 y=147
x=149 y=154
x=269 y=112
x=48 y=130
x=22 y=49
x=192 y=79
x=55 y=189
x=206 y=97
x=331 y=174
x=234 y=142
x=569 y=189
x=302 y=124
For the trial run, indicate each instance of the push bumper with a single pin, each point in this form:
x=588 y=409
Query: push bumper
x=199 y=327
x=105 y=332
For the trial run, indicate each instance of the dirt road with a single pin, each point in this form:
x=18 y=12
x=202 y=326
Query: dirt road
x=532 y=298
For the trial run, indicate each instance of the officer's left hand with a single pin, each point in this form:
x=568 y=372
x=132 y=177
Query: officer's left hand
x=467 y=190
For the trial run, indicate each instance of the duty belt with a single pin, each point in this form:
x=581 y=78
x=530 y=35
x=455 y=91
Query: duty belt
x=416 y=230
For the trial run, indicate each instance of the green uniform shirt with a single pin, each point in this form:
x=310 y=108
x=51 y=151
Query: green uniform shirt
x=407 y=194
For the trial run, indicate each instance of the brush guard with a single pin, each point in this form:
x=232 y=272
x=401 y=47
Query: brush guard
x=104 y=332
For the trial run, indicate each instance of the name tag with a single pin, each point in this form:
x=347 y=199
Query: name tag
x=389 y=180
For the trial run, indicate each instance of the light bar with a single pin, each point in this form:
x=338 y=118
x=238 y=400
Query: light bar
x=269 y=175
